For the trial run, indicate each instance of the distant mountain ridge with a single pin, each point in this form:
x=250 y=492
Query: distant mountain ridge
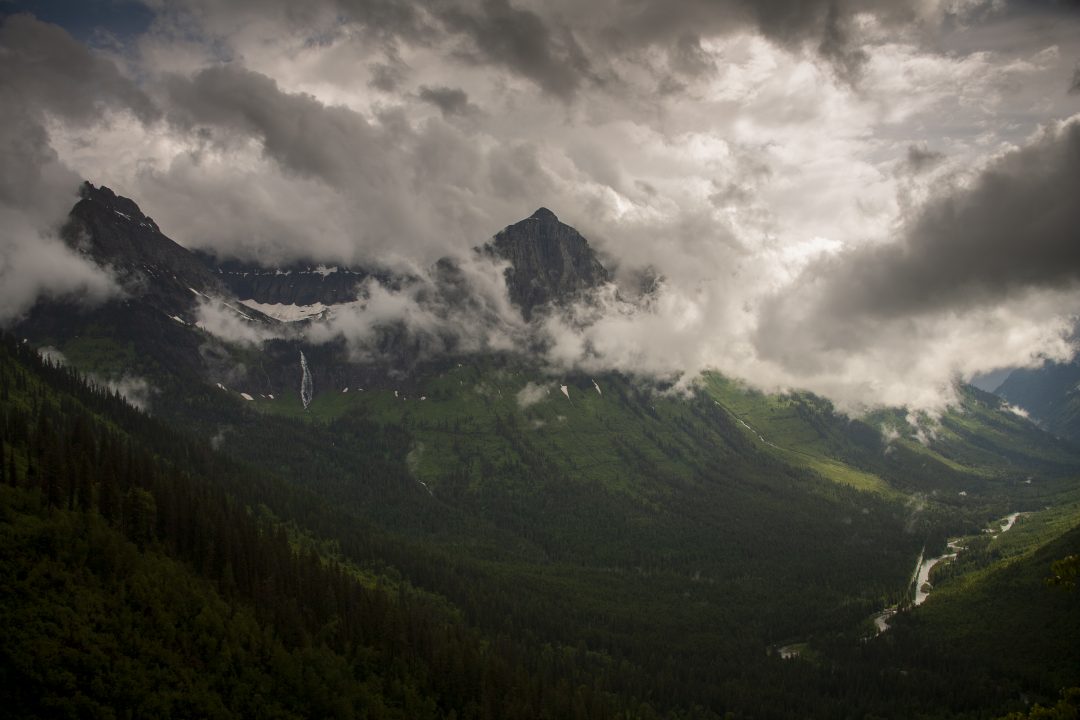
x=184 y=313
x=550 y=262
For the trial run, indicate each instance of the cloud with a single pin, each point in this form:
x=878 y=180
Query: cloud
x=889 y=435
x=563 y=47
x=769 y=162
x=1016 y=410
x=57 y=74
x=545 y=52
x=457 y=306
x=1012 y=229
x=352 y=181
x=232 y=323
x=1074 y=86
x=532 y=394
x=920 y=158
x=449 y=101
x=46 y=74
x=136 y=390
x=981 y=277
x=837 y=47
x=36 y=264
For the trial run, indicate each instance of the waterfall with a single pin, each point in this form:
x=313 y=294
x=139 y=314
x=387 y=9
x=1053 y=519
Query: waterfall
x=307 y=387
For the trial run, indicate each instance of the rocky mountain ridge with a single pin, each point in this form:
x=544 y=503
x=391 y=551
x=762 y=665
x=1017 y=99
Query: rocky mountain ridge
x=550 y=263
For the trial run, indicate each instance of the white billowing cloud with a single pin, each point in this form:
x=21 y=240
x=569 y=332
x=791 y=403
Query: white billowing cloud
x=912 y=361
x=136 y=390
x=457 y=306
x=231 y=322
x=533 y=393
x=1016 y=410
x=34 y=263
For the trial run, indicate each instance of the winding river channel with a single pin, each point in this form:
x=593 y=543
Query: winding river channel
x=921 y=577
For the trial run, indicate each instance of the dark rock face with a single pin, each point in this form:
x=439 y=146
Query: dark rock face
x=298 y=284
x=113 y=231
x=550 y=262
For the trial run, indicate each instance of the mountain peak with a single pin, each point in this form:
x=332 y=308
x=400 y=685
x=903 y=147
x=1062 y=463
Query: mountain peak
x=543 y=214
x=549 y=261
x=122 y=206
x=113 y=231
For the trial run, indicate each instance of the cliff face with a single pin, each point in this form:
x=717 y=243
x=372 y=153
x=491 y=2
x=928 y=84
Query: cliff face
x=114 y=232
x=299 y=284
x=550 y=262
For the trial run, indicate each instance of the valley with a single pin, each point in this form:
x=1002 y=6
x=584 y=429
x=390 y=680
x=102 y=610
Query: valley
x=675 y=547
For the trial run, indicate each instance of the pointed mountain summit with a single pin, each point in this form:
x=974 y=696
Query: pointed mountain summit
x=549 y=261
x=115 y=232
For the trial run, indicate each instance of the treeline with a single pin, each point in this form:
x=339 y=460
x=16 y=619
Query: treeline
x=147 y=574
x=376 y=650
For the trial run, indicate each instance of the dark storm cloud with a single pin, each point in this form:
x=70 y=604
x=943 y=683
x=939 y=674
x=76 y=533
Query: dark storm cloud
x=825 y=24
x=50 y=70
x=920 y=158
x=520 y=40
x=1074 y=86
x=385 y=18
x=449 y=101
x=388 y=76
x=836 y=47
x=298 y=131
x=1015 y=229
x=688 y=57
x=1017 y=226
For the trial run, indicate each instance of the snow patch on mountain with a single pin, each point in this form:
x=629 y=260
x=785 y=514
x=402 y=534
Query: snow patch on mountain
x=287 y=313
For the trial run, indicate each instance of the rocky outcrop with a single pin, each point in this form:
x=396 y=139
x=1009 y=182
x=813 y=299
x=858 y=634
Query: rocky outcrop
x=550 y=262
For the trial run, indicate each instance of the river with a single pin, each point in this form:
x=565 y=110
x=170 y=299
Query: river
x=924 y=565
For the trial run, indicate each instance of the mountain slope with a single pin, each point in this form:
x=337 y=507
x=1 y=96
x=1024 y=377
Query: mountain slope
x=1049 y=394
